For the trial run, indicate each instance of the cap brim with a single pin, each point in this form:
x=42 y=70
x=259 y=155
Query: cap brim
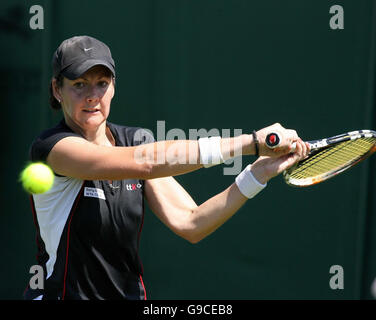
x=77 y=69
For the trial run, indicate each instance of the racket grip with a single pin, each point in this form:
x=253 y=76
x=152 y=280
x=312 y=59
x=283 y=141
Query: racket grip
x=273 y=140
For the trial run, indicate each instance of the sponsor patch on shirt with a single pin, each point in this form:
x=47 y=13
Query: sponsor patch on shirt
x=94 y=193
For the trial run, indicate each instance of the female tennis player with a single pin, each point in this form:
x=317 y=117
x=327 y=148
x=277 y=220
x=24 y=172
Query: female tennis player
x=89 y=223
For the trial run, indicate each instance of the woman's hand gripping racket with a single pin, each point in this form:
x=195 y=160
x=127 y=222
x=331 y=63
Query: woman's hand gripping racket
x=328 y=157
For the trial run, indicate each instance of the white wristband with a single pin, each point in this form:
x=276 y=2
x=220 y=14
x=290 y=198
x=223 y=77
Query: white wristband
x=248 y=184
x=210 y=151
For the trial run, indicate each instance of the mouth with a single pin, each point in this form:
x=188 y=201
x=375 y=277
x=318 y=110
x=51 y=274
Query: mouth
x=91 y=110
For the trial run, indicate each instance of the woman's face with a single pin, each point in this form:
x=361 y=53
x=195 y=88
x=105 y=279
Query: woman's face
x=86 y=101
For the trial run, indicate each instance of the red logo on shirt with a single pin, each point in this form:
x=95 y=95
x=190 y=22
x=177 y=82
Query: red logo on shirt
x=133 y=186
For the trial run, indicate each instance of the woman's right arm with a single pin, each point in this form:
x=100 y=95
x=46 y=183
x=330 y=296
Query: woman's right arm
x=79 y=158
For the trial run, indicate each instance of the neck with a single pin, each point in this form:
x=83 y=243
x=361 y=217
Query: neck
x=101 y=135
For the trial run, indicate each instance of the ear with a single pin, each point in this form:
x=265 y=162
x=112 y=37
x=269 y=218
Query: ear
x=56 y=90
x=113 y=87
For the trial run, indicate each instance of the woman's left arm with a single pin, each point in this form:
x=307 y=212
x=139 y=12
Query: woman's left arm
x=171 y=203
x=175 y=208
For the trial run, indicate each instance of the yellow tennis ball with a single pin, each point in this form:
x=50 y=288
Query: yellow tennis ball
x=37 y=178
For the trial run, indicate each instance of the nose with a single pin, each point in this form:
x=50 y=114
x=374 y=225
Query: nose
x=93 y=95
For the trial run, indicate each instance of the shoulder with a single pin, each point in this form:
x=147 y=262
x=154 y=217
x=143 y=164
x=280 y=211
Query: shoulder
x=130 y=136
x=43 y=143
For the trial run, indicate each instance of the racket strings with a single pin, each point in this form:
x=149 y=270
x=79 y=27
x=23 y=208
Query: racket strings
x=333 y=159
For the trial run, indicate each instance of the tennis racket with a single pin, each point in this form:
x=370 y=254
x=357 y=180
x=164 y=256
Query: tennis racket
x=329 y=157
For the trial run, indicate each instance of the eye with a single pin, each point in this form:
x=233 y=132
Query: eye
x=103 y=83
x=79 y=85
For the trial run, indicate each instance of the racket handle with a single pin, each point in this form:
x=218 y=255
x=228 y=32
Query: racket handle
x=273 y=140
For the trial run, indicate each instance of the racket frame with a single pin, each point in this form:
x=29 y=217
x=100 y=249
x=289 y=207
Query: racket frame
x=318 y=145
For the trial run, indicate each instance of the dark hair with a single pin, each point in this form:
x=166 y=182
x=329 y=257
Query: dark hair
x=54 y=104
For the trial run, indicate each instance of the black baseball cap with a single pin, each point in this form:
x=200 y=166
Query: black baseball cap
x=78 y=54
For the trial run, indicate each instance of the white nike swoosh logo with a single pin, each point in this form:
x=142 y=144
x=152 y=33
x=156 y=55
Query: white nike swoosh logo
x=87 y=49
